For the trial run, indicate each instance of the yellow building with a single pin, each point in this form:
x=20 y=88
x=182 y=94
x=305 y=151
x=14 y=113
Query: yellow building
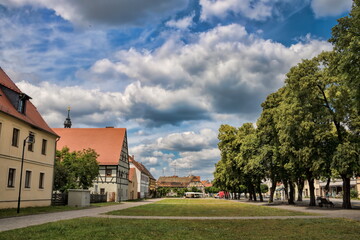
x=19 y=119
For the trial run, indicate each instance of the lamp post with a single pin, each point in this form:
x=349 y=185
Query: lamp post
x=30 y=139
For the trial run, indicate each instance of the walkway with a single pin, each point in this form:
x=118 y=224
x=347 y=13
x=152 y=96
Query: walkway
x=336 y=212
x=31 y=220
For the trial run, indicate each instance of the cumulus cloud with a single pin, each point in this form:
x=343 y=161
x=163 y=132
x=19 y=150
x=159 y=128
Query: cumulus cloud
x=188 y=141
x=198 y=162
x=323 y=8
x=106 y=12
x=256 y=10
x=225 y=70
x=182 y=23
x=151 y=106
x=186 y=151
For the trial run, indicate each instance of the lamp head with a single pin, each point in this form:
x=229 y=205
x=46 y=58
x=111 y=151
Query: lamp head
x=31 y=138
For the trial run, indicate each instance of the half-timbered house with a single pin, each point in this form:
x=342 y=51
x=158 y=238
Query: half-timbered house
x=112 y=146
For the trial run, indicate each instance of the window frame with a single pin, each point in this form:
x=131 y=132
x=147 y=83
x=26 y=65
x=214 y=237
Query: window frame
x=43 y=147
x=11 y=178
x=28 y=174
x=15 y=137
x=41 y=180
x=30 y=144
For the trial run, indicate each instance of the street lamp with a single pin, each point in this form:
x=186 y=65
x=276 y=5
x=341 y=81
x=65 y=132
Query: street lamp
x=28 y=139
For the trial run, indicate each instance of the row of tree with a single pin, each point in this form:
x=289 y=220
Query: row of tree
x=309 y=129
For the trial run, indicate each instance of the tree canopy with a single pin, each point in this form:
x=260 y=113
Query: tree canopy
x=75 y=170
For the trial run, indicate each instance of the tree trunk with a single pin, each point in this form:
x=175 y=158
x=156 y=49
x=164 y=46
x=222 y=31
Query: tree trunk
x=260 y=193
x=286 y=190
x=327 y=187
x=346 y=192
x=292 y=193
x=272 y=191
x=312 y=191
x=300 y=185
x=254 y=192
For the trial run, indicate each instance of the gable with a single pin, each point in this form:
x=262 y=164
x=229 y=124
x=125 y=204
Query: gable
x=109 y=143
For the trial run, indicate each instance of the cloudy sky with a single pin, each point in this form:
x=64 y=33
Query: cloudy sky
x=170 y=71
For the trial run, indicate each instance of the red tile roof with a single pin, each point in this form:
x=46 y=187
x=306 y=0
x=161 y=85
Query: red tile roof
x=175 y=181
x=206 y=183
x=107 y=142
x=141 y=167
x=31 y=115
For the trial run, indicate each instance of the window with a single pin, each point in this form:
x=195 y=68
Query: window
x=43 y=147
x=41 y=180
x=15 y=138
x=108 y=172
x=11 y=178
x=21 y=106
x=27 y=179
x=31 y=144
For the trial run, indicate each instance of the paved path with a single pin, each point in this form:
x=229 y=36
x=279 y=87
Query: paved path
x=336 y=212
x=30 y=220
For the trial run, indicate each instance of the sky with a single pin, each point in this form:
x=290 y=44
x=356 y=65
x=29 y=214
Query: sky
x=170 y=71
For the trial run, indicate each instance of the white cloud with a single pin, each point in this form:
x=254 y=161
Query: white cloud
x=106 y=12
x=225 y=70
x=188 y=141
x=182 y=23
x=256 y=10
x=323 y=8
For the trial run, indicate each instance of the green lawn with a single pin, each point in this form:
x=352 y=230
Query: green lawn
x=109 y=229
x=11 y=212
x=203 y=208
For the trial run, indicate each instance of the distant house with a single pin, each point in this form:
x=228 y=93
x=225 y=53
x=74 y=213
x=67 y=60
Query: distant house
x=206 y=183
x=146 y=181
x=181 y=182
x=18 y=120
x=112 y=146
x=133 y=184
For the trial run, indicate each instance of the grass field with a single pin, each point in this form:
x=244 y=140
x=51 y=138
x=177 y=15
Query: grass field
x=11 y=212
x=109 y=229
x=203 y=208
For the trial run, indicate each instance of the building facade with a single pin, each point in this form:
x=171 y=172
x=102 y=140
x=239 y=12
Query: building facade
x=20 y=122
x=144 y=178
x=188 y=183
x=133 y=184
x=112 y=147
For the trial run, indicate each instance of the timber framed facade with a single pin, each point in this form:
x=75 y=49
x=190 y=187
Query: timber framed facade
x=112 y=146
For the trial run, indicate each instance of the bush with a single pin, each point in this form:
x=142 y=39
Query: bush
x=354 y=193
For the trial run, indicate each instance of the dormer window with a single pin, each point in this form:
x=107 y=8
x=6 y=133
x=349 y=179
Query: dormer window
x=21 y=103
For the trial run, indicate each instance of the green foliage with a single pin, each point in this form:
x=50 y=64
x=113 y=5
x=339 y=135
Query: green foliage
x=194 y=189
x=212 y=189
x=75 y=170
x=354 y=194
x=264 y=188
x=162 y=191
x=180 y=191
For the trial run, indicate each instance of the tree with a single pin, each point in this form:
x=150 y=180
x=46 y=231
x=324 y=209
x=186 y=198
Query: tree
x=269 y=145
x=75 y=170
x=346 y=38
x=305 y=124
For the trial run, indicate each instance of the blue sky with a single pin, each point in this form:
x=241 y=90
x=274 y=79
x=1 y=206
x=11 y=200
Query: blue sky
x=170 y=71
